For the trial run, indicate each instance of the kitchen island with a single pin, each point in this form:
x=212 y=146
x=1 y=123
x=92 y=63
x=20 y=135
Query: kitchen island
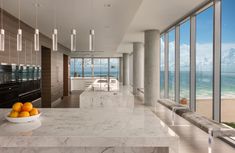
x=122 y=98
x=118 y=130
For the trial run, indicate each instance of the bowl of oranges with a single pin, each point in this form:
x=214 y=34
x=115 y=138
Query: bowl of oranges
x=22 y=113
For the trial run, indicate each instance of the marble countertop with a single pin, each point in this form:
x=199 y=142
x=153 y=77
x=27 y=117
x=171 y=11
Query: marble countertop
x=88 y=128
x=103 y=99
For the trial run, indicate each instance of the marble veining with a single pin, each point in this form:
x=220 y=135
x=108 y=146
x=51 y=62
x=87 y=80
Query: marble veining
x=73 y=127
x=122 y=98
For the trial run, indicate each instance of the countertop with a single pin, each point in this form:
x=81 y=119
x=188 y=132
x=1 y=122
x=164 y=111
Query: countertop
x=122 y=98
x=77 y=127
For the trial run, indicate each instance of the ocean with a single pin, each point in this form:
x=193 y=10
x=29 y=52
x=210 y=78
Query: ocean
x=204 y=84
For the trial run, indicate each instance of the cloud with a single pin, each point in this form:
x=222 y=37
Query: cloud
x=204 y=54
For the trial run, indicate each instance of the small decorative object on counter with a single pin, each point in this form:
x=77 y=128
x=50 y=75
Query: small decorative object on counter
x=22 y=113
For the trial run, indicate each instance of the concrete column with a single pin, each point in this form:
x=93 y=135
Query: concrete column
x=152 y=67
x=125 y=69
x=138 y=66
x=120 y=69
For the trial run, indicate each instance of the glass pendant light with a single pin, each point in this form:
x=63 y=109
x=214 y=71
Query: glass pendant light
x=55 y=34
x=92 y=31
x=36 y=34
x=73 y=40
x=91 y=40
x=19 y=40
x=54 y=40
x=2 y=31
x=36 y=40
x=19 y=33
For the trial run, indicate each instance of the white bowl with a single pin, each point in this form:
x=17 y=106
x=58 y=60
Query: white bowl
x=22 y=119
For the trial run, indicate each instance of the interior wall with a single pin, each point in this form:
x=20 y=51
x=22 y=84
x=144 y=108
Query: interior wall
x=66 y=75
x=46 y=78
x=56 y=76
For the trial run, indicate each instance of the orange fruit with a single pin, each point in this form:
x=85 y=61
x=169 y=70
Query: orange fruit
x=27 y=107
x=34 y=111
x=24 y=114
x=17 y=107
x=14 y=114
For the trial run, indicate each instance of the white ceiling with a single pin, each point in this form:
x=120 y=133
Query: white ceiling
x=115 y=26
x=155 y=14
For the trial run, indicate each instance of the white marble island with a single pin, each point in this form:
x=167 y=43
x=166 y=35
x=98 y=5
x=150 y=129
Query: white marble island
x=89 y=131
x=121 y=98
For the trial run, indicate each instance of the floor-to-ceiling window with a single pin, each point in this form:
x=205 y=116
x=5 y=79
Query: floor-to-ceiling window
x=162 y=67
x=228 y=63
x=204 y=62
x=171 y=81
x=94 y=67
x=88 y=67
x=76 y=67
x=72 y=67
x=185 y=61
x=100 y=67
x=114 y=68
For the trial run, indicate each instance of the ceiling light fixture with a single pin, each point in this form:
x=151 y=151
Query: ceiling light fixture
x=92 y=31
x=91 y=40
x=36 y=34
x=73 y=40
x=19 y=33
x=2 y=31
x=107 y=5
x=55 y=34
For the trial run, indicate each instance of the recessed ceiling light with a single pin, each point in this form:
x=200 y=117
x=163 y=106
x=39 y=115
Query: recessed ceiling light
x=107 y=5
x=36 y=5
x=107 y=27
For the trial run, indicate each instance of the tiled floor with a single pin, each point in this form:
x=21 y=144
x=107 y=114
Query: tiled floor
x=192 y=139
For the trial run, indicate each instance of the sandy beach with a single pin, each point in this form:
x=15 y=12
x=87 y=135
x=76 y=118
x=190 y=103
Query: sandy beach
x=204 y=107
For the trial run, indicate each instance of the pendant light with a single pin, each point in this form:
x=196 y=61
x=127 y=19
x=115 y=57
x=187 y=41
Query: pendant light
x=73 y=36
x=92 y=31
x=91 y=40
x=73 y=40
x=19 y=33
x=55 y=34
x=36 y=34
x=2 y=31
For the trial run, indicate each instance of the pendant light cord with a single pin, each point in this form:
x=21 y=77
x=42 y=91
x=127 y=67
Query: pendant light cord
x=19 y=12
x=55 y=16
x=36 y=19
x=2 y=14
x=92 y=14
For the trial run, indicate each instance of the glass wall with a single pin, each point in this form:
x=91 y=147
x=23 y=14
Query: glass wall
x=171 y=81
x=76 y=67
x=100 y=67
x=72 y=67
x=94 y=67
x=114 y=68
x=88 y=67
x=162 y=67
x=204 y=62
x=184 y=62
x=228 y=63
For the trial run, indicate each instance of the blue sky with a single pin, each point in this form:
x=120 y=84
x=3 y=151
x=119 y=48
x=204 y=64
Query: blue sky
x=228 y=18
x=204 y=24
